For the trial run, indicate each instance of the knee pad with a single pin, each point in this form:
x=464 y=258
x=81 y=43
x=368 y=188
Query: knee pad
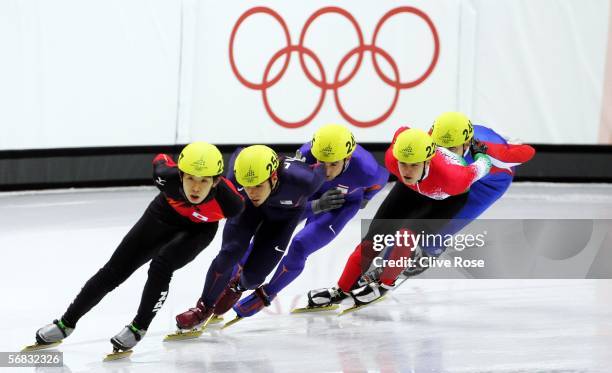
x=225 y=259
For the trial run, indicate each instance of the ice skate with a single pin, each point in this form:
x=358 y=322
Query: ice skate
x=254 y=303
x=193 y=322
x=49 y=336
x=325 y=299
x=366 y=295
x=124 y=341
x=229 y=297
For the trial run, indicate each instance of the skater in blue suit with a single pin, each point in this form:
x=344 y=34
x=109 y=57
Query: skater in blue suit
x=276 y=191
x=353 y=179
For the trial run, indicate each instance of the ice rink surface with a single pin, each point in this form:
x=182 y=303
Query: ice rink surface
x=52 y=242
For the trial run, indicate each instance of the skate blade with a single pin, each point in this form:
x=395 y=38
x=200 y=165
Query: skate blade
x=357 y=308
x=215 y=319
x=116 y=355
x=232 y=322
x=331 y=307
x=181 y=335
x=38 y=346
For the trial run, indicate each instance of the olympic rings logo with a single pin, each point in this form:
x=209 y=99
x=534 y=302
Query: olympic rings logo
x=337 y=83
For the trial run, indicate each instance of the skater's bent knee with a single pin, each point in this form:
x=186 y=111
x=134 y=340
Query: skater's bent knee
x=225 y=260
x=300 y=249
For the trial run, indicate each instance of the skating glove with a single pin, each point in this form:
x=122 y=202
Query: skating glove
x=331 y=199
x=364 y=203
x=477 y=147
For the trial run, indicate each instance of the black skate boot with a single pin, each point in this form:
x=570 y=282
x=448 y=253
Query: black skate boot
x=369 y=293
x=326 y=297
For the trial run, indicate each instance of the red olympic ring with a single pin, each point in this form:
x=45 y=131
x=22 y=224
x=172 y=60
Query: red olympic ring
x=434 y=60
x=242 y=18
x=323 y=84
x=374 y=49
x=337 y=83
x=287 y=50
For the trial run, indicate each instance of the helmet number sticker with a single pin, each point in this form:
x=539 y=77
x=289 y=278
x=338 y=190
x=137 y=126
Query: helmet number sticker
x=430 y=150
x=468 y=132
x=350 y=145
x=273 y=165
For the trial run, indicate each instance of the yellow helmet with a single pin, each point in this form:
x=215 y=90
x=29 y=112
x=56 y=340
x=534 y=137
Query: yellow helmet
x=254 y=165
x=414 y=145
x=201 y=159
x=332 y=143
x=452 y=129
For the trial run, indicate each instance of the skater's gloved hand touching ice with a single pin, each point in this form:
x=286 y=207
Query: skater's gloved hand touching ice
x=331 y=199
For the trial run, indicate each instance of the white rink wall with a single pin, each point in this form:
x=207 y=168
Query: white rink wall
x=135 y=72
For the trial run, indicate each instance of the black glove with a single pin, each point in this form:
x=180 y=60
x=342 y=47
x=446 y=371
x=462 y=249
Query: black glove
x=331 y=199
x=364 y=203
x=477 y=147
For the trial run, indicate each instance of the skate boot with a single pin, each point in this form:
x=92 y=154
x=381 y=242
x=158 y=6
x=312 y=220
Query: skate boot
x=191 y=323
x=194 y=317
x=229 y=297
x=369 y=293
x=326 y=297
x=372 y=275
x=254 y=303
x=53 y=333
x=416 y=269
x=127 y=338
x=366 y=295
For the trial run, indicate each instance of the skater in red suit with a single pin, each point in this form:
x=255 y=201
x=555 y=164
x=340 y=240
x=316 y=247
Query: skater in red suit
x=176 y=226
x=433 y=183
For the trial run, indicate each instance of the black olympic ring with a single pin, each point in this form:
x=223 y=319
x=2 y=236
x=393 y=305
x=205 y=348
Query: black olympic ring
x=336 y=84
